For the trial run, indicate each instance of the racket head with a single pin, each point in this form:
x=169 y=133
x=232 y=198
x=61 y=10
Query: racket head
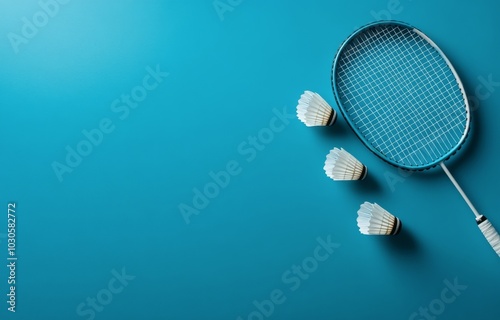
x=400 y=94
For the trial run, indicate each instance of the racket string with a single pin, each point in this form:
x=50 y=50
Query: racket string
x=382 y=72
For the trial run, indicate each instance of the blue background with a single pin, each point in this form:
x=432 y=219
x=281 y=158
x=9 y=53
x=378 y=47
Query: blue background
x=229 y=73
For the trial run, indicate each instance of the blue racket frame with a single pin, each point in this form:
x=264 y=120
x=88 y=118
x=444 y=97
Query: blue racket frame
x=352 y=125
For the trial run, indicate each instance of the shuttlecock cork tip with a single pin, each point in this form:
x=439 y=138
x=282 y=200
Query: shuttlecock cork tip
x=332 y=119
x=364 y=172
x=397 y=227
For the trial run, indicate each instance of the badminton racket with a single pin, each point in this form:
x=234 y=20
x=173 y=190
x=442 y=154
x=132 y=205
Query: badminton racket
x=404 y=100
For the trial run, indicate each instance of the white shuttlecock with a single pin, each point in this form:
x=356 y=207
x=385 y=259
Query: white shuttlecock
x=313 y=110
x=341 y=165
x=375 y=220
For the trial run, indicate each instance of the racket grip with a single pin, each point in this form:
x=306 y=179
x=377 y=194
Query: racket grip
x=489 y=232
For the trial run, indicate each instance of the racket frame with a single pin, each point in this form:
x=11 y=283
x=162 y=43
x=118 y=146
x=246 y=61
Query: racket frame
x=335 y=65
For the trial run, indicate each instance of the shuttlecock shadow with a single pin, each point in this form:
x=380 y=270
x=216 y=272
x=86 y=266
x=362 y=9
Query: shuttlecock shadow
x=338 y=129
x=368 y=185
x=403 y=243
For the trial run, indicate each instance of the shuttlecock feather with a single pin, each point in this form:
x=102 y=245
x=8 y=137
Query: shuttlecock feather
x=375 y=220
x=313 y=110
x=341 y=165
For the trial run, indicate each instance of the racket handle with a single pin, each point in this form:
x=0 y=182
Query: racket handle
x=489 y=232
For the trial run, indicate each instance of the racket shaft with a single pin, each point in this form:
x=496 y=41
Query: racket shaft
x=483 y=223
x=462 y=193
